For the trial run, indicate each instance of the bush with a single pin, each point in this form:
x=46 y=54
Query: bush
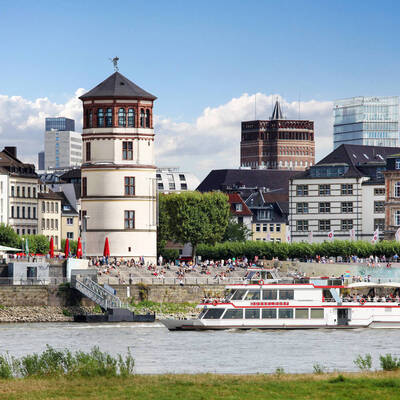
x=169 y=255
x=63 y=362
x=365 y=364
x=389 y=363
x=300 y=250
x=318 y=369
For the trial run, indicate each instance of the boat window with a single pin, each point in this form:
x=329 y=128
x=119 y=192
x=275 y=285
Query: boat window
x=302 y=313
x=239 y=294
x=270 y=294
x=286 y=313
x=317 y=313
x=252 y=313
x=335 y=282
x=269 y=313
x=214 y=313
x=286 y=294
x=229 y=294
x=253 y=295
x=233 y=313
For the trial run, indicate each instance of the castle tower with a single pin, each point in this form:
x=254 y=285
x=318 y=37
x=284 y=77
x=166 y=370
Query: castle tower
x=118 y=198
x=277 y=143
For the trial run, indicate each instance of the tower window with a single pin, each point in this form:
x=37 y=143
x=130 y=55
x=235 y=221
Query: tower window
x=147 y=118
x=88 y=152
x=89 y=119
x=127 y=150
x=109 y=117
x=129 y=219
x=84 y=187
x=100 y=118
x=129 y=186
x=131 y=117
x=141 y=118
x=121 y=117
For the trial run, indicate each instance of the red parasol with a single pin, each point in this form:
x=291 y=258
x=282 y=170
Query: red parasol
x=79 y=252
x=106 y=252
x=51 y=252
x=66 y=249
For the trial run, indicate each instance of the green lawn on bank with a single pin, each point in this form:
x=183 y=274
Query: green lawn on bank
x=374 y=386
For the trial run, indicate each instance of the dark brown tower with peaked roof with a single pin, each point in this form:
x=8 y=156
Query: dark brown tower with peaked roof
x=277 y=143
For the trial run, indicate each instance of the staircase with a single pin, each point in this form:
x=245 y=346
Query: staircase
x=95 y=292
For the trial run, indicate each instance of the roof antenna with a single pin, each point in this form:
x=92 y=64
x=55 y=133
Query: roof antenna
x=115 y=63
x=298 y=116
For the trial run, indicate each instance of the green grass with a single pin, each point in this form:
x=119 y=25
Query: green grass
x=164 y=308
x=365 y=386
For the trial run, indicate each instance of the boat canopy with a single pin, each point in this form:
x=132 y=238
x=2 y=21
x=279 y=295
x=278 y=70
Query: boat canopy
x=373 y=284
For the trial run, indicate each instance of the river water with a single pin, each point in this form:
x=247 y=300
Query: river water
x=156 y=350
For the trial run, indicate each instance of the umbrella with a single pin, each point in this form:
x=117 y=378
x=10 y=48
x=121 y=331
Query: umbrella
x=51 y=252
x=106 y=252
x=66 y=248
x=26 y=246
x=79 y=252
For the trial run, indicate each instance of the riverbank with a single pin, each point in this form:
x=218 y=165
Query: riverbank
x=345 y=386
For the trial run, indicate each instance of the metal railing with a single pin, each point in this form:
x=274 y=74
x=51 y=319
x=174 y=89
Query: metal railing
x=32 y=281
x=172 y=281
x=97 y=293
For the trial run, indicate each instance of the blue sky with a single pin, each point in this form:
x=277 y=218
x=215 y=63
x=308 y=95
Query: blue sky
x=199 y=54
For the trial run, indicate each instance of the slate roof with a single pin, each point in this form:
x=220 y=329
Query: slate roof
x=231 y=179
x=74 y=173
x=65 y=204
x=50 y=195
x=117 y=85
x=361 y=160
x=277 y=113
x=15 y=167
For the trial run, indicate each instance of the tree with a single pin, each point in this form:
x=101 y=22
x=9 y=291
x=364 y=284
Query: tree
x=194 y=217
x=37 y=243
x=235 y=232
x=73 y=245
x=8 y=237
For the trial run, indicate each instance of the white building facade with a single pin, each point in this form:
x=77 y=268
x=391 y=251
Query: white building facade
x=118 y=196
x=342 y=200
x=171 y=180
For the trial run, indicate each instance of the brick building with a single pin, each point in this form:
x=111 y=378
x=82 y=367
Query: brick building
x=277 y=143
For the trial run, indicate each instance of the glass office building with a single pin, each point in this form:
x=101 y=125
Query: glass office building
x=371 y=121
x=60 y=124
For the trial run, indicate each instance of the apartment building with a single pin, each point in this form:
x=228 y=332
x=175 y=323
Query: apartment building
x=341 y=197
x=50 y=216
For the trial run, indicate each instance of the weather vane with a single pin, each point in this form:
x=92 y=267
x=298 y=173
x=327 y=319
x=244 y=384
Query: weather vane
x=115 y=63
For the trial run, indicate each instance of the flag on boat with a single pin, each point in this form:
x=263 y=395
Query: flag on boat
x=352 y=234
x=375 y=238
x=331 y=235
x=397 y=235
x=288 y=235
x=310 y=236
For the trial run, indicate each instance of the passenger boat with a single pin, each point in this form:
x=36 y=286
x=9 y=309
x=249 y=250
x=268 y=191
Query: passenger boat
x=267 y=301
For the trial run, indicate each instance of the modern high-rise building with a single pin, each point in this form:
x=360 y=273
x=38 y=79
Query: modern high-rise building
x=62 y=145
x=41 y=161
x=277 y=143
x=371 y=121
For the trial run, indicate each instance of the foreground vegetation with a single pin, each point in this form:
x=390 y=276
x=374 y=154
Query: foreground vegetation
x=303 y=250
x=163 y=308
x=365 y=386
x=56 y=363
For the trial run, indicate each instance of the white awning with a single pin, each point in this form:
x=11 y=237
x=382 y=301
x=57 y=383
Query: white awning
x=362 y=285
x=5 y=248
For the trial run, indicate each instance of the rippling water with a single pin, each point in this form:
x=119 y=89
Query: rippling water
x=156 y=350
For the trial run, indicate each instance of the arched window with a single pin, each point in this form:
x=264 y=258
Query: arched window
x=109 y=117
x=89 y=119
x=141 y=118
x=100 y=118
x=147 y=118
x=131 y=117
x=121 y=117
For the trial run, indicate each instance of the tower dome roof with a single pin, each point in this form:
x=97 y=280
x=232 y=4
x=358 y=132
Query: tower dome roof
x=117 y=85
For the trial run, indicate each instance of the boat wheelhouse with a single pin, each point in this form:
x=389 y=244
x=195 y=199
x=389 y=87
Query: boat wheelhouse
x=266 y=301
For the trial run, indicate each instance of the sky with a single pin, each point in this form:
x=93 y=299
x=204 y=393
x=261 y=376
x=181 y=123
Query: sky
x=206 y=61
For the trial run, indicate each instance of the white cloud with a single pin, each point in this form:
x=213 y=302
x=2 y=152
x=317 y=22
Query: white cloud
x=212 y=141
